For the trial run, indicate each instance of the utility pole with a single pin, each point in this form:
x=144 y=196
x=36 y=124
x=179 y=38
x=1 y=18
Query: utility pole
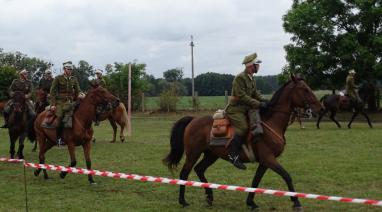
x=192 y=71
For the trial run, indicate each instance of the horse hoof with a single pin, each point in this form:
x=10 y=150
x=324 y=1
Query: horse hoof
x=298 y=208
x=93 y=183
x=209 y=201
x=252 y=206
x=62 y=175
x=184 y=204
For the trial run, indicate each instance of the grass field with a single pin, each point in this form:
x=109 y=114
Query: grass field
x=329 y=161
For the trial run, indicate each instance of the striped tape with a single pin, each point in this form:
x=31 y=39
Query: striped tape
x=191 y=183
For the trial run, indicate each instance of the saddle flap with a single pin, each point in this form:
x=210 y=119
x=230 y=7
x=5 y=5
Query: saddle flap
x=220 y=128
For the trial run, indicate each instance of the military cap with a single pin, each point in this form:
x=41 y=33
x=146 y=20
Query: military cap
x=98 y=71
x=352 y=71
x=24 y=71
x=251 y=59
x=68 y=65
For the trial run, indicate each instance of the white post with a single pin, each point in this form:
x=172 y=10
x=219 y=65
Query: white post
x=129 y=104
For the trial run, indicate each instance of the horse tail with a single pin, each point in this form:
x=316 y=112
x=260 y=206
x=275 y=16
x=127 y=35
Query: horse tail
x=30 y=129
x=176 y=143
x=124 y=117
x=323 y=97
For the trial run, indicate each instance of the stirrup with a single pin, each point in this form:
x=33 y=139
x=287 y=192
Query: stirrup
x=236 y=162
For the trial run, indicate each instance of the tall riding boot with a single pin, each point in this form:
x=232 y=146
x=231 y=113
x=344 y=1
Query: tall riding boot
x=96 y=120
x=59 y=131
x=6 y=115
x=234 y=150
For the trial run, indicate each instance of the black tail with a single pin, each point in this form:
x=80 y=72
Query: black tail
x=176 y=142
x=30 y=130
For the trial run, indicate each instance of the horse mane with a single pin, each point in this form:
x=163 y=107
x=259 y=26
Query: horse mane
x=267 y=113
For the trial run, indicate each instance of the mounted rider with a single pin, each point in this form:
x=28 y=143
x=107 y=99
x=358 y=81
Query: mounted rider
x=46 y=81
x=244 y=104
x=64 y=91
x=351 y=88
x=23 y=84
x=98 y=81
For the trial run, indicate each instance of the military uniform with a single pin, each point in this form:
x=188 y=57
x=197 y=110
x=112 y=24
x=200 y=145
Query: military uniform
x=45 y=84
x=98 y=82
x=63 y=92
x=351 y=88
x=24 y=86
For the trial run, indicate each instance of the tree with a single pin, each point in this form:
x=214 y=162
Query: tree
x=329 y=37
x=117 y=81
x=213 y=84
x=82 y=72
x=172 y=75
x=18 y=60
x=7 y=75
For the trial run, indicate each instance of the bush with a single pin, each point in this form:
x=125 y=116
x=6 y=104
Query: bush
x=168 y=99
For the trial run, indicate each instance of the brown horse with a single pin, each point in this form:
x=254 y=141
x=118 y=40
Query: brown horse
x=117 y=115
x=18 y=123
x=2 y=105
x=81 y=132
x=191 y=135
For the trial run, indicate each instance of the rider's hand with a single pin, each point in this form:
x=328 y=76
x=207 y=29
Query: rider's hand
x=263 y=105
x=81 y=95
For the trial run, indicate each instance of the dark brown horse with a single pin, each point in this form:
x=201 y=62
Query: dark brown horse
x=116 y=115
x=18 y=123
x=191 y=135
x=41 y=100
x=333 y=103
x=2 y=105
x=81 y=132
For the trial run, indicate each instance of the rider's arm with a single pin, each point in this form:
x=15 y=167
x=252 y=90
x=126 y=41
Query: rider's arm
x=53 y=91
x=12 y=88
x=238 y=92
x=29 y=91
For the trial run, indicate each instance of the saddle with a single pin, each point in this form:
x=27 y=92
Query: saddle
x=49 y=118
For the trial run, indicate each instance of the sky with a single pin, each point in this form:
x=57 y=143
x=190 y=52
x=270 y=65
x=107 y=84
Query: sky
x=154 y=32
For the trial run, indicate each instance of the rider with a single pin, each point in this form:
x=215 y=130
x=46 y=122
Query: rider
x=243 y=105
x=98 y=81
x=24 y=85
x=65 y=89
x=351 y=88
x=46 y=81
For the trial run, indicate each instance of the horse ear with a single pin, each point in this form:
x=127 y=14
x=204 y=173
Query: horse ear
x=293 y=77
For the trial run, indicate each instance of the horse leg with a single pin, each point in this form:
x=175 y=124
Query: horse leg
x=200 y=168
x=355 y=113
x=367 y=118
x=12 y=150
x=87 y=148
x=255 y=182
x=276 y=167
x=114 y=126
x=20 y=150
x=121 y=133
x=187 y=167
x=333 y=118
x=44 y=147
x=73 y=161
x=320 y=117
x=35 y=146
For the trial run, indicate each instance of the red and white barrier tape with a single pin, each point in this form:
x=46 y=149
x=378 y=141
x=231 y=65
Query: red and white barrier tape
x=192 y=183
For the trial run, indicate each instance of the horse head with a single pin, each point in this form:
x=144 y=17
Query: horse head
x=18 y=101
x=101 y=97
x=302 y=95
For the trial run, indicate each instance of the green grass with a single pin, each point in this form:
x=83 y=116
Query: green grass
x=329 y=161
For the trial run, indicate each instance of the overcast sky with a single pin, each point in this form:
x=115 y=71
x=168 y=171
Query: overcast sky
x=154 y=32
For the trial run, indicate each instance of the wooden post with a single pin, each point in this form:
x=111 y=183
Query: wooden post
x=143 y=102
x=129 y=104
x=226 y=97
